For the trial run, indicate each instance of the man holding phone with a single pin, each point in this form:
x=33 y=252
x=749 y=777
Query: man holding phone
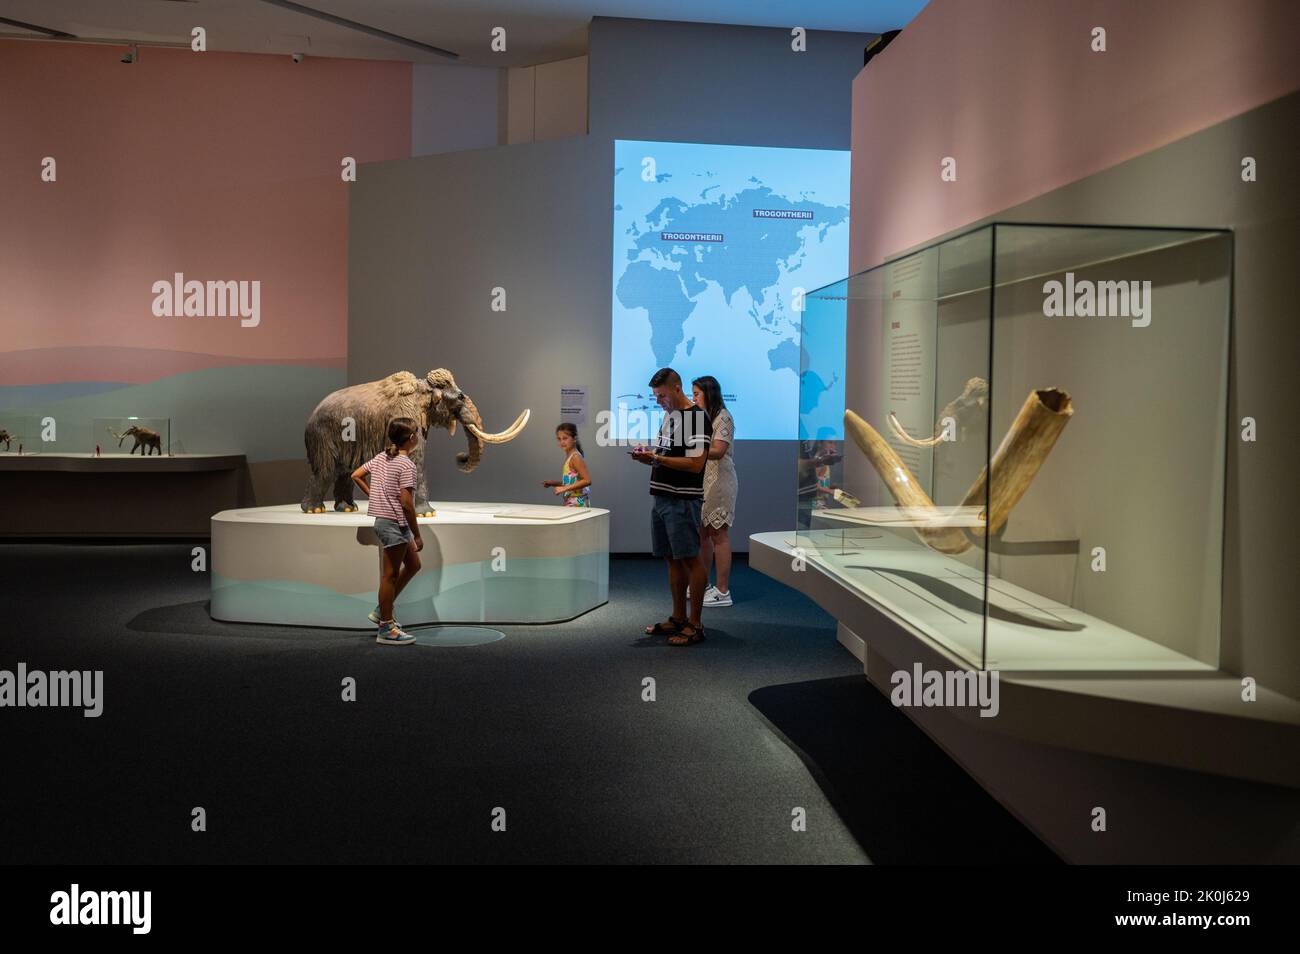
x=677 y=462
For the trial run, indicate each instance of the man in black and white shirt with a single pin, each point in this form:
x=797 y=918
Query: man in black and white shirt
x=677 y=462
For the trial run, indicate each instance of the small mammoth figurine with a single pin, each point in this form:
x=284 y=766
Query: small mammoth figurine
x=149 y=441
x=6 y=438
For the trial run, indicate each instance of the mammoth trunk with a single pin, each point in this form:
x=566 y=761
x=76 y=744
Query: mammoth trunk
x=471 y=422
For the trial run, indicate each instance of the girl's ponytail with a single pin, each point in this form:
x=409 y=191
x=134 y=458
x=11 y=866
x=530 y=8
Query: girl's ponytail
x=400 y=430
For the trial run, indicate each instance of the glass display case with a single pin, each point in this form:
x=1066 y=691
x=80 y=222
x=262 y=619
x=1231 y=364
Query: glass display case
x=1013 y=441
x=20 y=433
x=146 y=436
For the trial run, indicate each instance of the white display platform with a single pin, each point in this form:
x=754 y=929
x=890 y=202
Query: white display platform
x=1117 y=698
x=944 y=599
x=482 y=563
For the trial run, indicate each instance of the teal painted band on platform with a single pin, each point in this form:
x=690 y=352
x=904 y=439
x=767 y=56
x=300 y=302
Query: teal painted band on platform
x=528 y=590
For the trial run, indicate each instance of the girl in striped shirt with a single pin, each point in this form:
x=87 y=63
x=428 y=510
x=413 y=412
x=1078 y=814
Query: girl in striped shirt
x=391 y=489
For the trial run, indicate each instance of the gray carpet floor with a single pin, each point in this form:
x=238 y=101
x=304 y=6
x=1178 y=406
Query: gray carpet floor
x=767 y=716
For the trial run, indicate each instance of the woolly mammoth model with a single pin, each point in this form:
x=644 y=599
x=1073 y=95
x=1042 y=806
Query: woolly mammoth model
x=149 y=442
x=335 y=447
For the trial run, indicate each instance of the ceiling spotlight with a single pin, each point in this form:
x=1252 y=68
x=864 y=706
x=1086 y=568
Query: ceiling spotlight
x=132 y=55
x=298 y=57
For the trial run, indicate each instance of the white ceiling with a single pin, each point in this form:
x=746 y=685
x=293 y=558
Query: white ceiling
x=536 y=30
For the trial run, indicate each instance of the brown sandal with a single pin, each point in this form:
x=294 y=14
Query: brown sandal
x=683 y=639
x=671 y=628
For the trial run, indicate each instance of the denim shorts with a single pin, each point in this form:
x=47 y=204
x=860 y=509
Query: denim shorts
x=391 y=533
x=675 y=527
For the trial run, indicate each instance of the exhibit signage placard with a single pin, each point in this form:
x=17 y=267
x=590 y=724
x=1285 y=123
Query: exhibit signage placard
x=910 y=331
x=573 y=403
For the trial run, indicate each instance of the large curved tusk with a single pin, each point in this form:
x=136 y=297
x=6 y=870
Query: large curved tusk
x=509 y=434
x=907 y=438
x=903 y=486
x=1022 y=452
x=1019 y=457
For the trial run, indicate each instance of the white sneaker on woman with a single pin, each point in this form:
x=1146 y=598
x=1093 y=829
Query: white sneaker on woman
x=715 y=597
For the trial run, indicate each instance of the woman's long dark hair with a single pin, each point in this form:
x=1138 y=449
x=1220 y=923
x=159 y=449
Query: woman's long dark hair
x=571 y=429
x=400 y=430
x=712 y=392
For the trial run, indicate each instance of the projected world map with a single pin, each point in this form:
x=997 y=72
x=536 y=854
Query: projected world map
x=713 y=248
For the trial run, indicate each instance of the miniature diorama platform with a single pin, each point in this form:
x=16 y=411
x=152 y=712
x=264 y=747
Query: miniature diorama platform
x=120 y=495
x=481 y=563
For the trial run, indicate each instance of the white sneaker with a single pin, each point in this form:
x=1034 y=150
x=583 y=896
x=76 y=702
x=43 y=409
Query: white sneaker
x=715 y=597
x=374 y=617
x=392 y=635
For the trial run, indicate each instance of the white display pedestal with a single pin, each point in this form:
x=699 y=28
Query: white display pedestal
x=482 y=563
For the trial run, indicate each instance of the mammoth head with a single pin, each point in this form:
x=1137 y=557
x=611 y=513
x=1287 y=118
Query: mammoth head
x=448 y=405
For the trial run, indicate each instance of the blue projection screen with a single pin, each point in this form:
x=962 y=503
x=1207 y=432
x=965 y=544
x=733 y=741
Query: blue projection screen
x=713 y=248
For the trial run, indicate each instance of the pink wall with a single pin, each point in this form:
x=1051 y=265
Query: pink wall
x=1012 y=90
x=218 y=165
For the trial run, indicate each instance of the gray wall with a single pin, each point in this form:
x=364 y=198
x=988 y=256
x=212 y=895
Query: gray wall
x=700 y=82
x=453 y=107
x=430 y=237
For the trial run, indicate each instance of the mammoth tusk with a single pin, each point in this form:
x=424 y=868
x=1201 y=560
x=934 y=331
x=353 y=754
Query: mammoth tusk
x=1019 y=457
x=906 y=491
x=509 y=434
x=907 y=438
x=1031 y=438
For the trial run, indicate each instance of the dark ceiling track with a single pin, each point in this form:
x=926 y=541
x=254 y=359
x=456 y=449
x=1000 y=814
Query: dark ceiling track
x=361 y=28
x=56 y=34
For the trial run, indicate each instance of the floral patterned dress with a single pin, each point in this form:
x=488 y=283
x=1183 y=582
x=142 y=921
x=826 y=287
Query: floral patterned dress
x=574 y=498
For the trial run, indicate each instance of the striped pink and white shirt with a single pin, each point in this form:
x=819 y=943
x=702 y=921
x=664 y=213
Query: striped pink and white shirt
x=388 y=476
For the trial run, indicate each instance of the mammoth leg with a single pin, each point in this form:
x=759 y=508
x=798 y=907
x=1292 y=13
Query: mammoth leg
x=313 y=497
x=343 y=490
x=422 y=506
x=322 y=459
